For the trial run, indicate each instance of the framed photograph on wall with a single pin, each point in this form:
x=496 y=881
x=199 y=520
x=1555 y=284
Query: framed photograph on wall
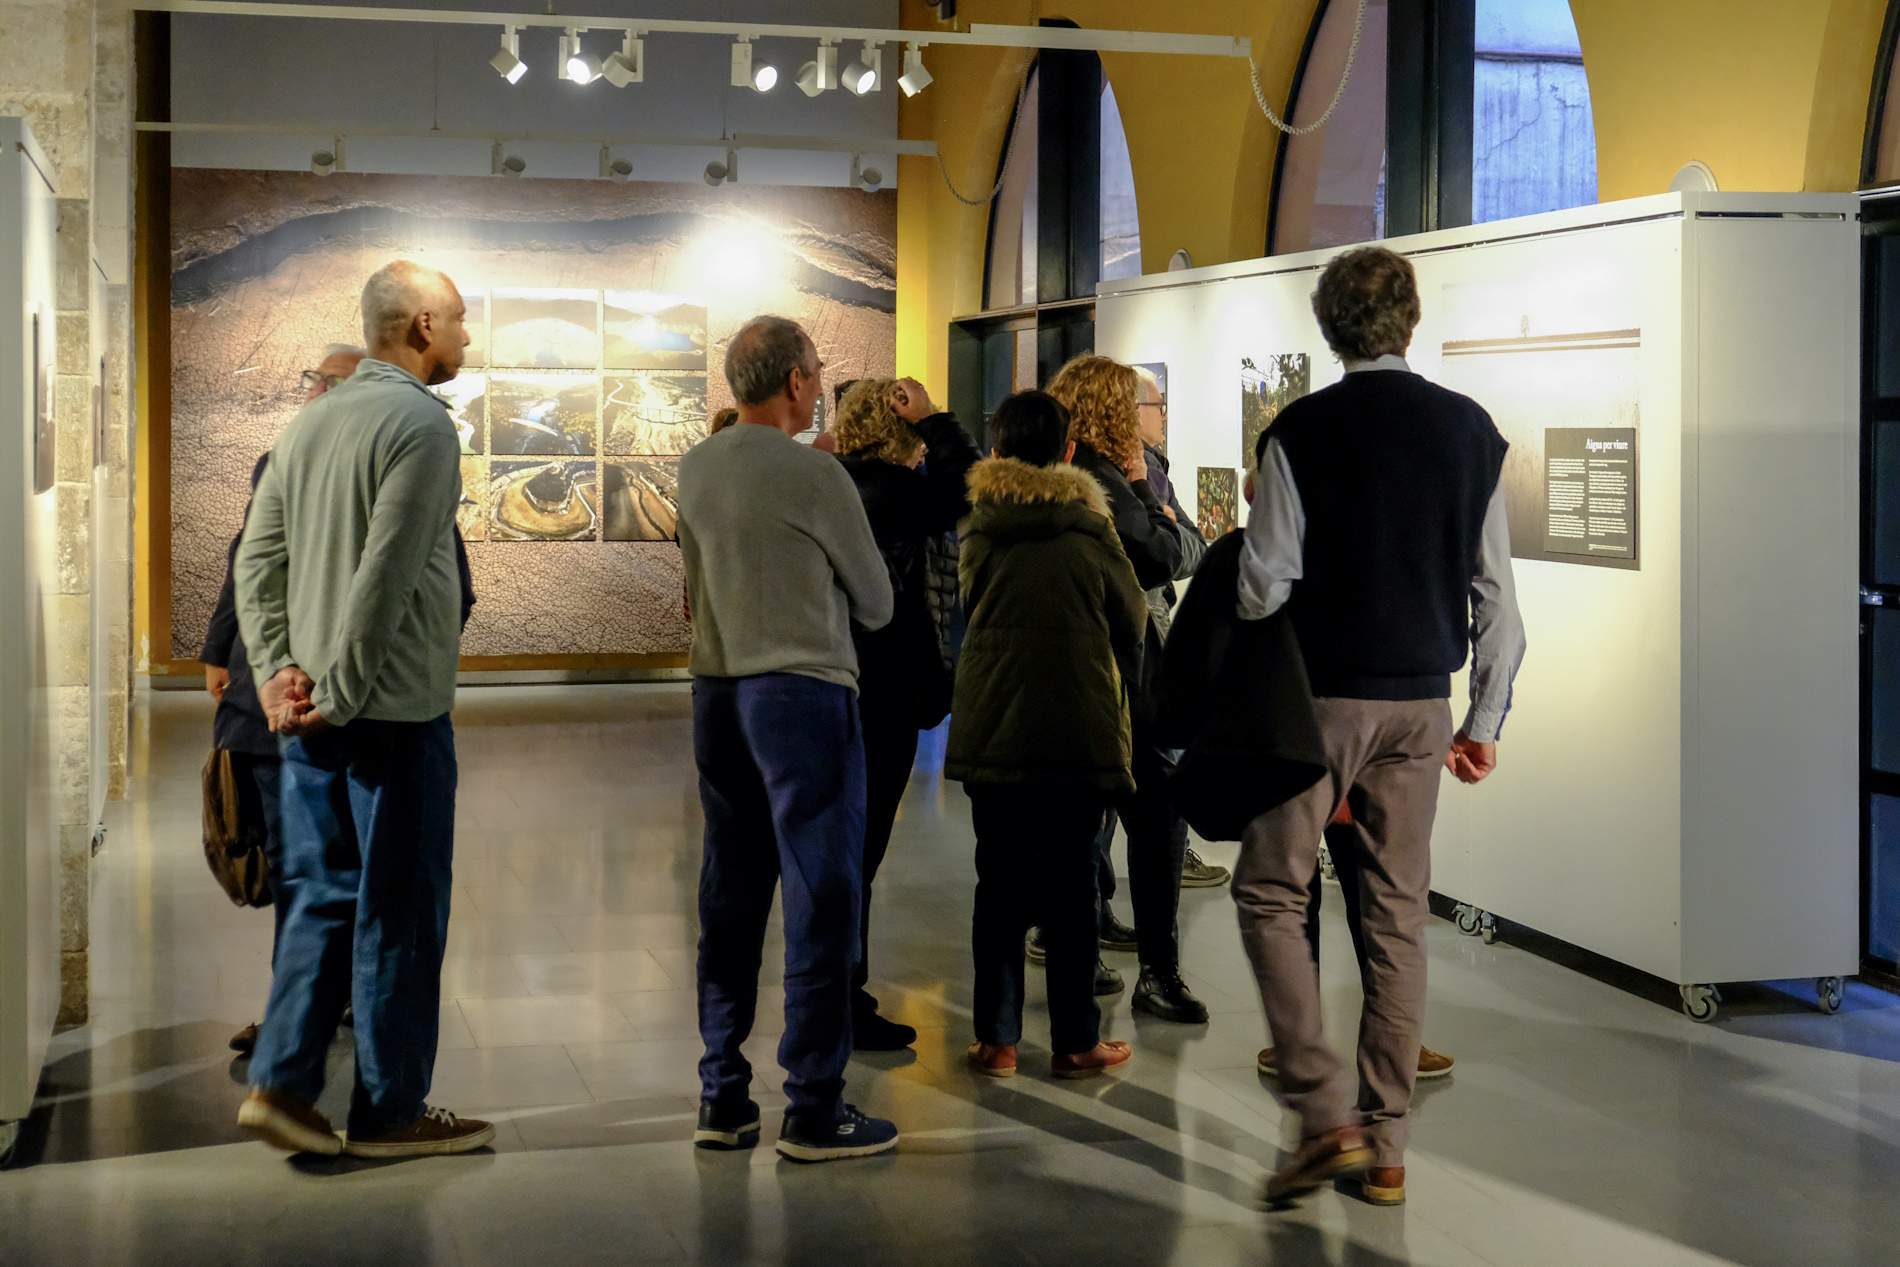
x=45 y=446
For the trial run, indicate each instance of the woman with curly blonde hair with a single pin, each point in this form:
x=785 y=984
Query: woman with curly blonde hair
x=1161 y=542
x=887 y=430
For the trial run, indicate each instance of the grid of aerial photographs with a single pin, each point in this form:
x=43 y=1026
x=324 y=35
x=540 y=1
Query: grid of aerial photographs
x=573 y=410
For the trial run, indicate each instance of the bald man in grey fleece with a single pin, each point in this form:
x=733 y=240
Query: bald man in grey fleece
x=780 y=562
x=349 y=602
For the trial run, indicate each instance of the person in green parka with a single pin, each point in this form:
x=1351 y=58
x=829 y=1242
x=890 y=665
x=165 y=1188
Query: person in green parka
x=1039 y=733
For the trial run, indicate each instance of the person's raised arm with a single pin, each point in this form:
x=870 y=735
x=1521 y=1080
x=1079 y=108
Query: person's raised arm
x=949 y=453
x=1148 y=535
x=414 y=507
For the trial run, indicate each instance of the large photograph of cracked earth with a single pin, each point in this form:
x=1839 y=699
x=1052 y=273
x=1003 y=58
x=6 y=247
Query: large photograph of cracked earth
x=266 y=271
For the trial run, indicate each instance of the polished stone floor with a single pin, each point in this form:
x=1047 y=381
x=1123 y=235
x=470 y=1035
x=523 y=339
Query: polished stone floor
x=1588 y=1121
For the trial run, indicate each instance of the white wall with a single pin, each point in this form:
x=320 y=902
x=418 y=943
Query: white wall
x=394 y=75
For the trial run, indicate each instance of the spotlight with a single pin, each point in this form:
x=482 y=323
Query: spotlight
x=821 y=73
x=862 y=177
x=764 y=77
x=504 y=164
x=629 y=65
x=577 y=64
x=742 y=62
x=916 y=76
x=718 y=173
x=323 y=162
x=507 y=60
x=862 y=75
x=612 y=168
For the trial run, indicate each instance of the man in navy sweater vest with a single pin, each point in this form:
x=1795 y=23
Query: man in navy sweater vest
x=1378 y=522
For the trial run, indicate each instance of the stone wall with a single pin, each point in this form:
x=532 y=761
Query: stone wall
x=67 y=71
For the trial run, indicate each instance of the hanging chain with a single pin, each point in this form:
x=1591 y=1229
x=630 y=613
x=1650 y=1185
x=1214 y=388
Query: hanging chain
x=1009 y=150
x=1352 y=55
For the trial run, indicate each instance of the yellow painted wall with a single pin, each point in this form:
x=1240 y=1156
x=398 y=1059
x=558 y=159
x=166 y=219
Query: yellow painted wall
x=1772 y=94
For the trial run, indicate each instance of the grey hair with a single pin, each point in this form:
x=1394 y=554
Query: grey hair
x=762 y=356
x=343 y=349
x=396 y=295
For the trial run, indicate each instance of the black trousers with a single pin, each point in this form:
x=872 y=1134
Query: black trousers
x=1342 y=843
x=1157 y=846
x=890 y=750
x=1035 y=864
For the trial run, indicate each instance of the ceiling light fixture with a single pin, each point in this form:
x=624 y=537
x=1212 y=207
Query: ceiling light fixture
x=612 y=168
x=867 y=72
x=742 y=62
x=916 y=76
x=507 y=60
x=629 y=65
x=578 y=66
x=501 y=163
x=821 y=73
x=718 y=173
x=764 y=77
x=862 y=177
x=323 y=162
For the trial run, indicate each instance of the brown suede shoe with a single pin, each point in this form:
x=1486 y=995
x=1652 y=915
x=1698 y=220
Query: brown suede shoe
x=244 y=1042
x=1334 y=1154
x=436 y=1133
x=1382 y=1185
x=1431 y=1064
x=992 y=1061
x=1086 y=1064
x=285 y=1122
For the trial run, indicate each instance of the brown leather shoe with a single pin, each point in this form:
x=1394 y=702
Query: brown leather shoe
x=284 y=1121
x=993 y=1061
x=244 y=1042
x=1086 y=1064
x=1431 y=1064
x=1334 y=1154
x=436 y=1133
x=1382 y=1185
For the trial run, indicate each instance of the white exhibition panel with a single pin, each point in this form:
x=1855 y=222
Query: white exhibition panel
x=1677 y=785
x=29 y=839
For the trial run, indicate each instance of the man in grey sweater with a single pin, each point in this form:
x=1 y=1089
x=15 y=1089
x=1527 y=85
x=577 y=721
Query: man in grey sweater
x=349 y=602
x=780 y=563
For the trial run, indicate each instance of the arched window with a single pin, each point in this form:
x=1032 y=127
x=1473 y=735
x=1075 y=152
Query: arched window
x=1453 y=114
x=1121 y=223
x=1533 y=138
x=1010 y=278
x=1880 y=155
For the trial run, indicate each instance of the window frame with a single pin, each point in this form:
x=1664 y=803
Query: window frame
x=1877 y=93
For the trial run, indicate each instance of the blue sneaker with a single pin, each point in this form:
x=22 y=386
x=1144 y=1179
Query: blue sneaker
x=727 y=1128
x=851 y=1134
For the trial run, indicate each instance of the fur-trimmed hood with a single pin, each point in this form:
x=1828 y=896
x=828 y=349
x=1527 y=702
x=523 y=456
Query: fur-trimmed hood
x=1009 y=481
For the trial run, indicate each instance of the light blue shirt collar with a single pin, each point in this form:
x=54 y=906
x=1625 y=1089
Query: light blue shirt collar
x=1390 y=361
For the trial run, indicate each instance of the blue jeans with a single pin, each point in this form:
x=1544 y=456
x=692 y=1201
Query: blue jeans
x=368 y=814
x=781 y=779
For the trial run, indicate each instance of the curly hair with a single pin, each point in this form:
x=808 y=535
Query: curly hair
x=1367 y=304
x=867 y=424
x=1100 y=396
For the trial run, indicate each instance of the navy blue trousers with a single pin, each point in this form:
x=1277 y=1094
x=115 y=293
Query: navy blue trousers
x=782 y=783
x=368 y=820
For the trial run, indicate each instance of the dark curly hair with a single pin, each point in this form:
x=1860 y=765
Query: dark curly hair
x=1367 y=304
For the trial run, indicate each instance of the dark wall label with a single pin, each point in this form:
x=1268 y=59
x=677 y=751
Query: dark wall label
x=1590 y=492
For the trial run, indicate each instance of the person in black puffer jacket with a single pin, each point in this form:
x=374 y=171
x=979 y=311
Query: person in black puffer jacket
x=1162 y=544
x=886 y=429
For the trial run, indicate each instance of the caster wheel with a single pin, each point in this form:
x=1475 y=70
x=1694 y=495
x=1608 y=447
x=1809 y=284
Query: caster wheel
x=1829 y=992
x=1488 y=927
x=1469 y=919
x=1701 y=1002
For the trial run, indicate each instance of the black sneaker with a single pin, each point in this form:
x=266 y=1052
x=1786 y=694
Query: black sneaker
x=851 y=1134
x=727 y=1128
x=871 y=1032
x=1107 y=980
x=1165 y=996
x=1032 y=947
x=1113 y=934
x=1197 y=873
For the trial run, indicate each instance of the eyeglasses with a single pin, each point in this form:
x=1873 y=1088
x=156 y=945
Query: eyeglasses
x=311 y=380
x=1162 y=405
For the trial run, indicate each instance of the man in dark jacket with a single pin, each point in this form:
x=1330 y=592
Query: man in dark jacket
x=1040 y=732
x=903 y=682
x=238 y=726
x=1155 y=535
x=1379 y=524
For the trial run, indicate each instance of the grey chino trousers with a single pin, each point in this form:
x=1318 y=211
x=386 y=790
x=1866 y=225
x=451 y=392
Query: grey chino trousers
x=1386 y=757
